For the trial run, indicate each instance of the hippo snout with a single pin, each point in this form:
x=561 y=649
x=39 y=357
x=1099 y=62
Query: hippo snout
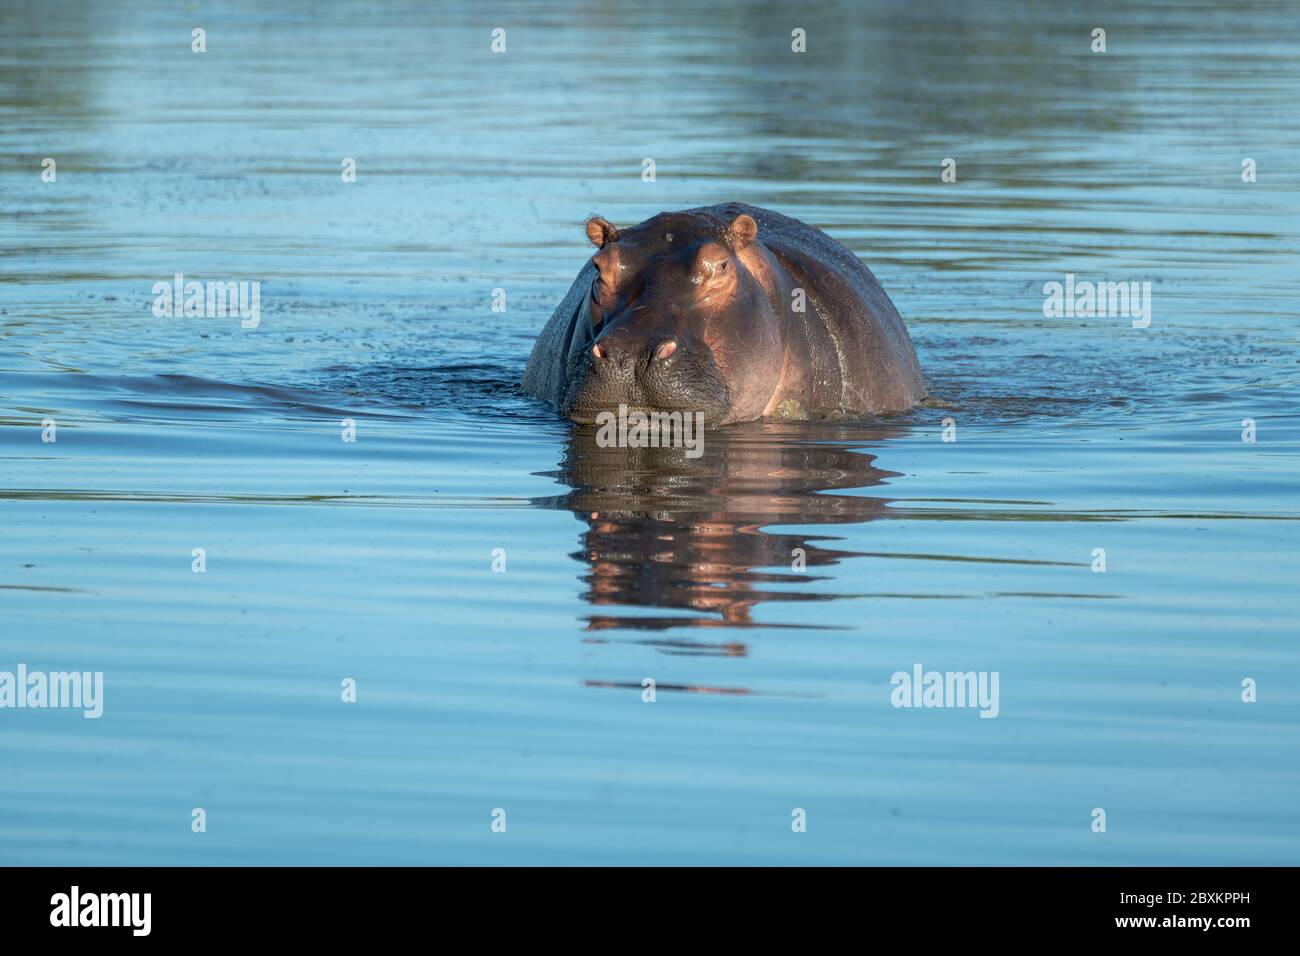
x=625 y=356
x=651 y=373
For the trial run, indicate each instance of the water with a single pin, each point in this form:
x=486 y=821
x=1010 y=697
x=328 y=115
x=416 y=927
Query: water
x=522 y=690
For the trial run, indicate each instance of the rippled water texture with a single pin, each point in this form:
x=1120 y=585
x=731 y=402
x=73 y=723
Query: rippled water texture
x=522 y=690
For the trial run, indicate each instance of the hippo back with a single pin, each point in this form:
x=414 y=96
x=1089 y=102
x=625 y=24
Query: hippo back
x=568 y=330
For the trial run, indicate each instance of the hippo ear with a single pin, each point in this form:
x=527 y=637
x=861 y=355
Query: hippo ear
x=601 y=231
x=742 y=231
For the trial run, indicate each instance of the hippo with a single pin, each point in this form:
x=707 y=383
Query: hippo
x=731 y=311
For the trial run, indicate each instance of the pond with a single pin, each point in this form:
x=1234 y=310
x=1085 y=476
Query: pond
x=564 y=653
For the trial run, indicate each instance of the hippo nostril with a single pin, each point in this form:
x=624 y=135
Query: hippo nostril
x=598 y=351
x=666 y=350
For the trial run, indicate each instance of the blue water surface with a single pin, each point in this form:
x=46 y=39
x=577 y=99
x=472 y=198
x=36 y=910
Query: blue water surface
x=521 y=690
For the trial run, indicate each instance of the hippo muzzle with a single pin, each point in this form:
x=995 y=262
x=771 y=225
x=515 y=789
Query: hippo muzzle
x=645 y=372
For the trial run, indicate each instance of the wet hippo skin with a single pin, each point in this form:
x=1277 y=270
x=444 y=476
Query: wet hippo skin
x=733 y=311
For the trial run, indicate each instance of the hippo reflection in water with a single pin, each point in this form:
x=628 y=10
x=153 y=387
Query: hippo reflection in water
x=677 y=534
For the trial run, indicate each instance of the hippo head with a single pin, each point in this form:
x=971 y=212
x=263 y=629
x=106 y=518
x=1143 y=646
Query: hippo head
x=678 y=321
